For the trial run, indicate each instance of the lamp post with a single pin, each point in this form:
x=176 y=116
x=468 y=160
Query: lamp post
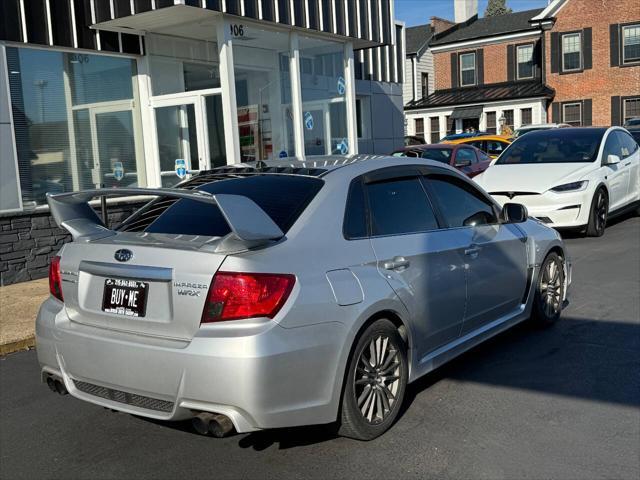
x=502 y=120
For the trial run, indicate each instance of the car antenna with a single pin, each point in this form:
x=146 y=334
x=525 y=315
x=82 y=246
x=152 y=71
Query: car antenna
x=260 y=165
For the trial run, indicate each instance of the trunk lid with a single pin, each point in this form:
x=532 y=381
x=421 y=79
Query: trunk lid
x=170 y=273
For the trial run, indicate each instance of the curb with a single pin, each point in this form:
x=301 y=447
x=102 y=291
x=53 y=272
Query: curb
x=16 y=346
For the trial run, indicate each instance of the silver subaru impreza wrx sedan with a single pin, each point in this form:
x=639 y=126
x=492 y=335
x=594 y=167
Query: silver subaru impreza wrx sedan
x=278 y=294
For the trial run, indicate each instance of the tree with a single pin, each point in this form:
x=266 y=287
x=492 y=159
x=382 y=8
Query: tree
x=496 y=7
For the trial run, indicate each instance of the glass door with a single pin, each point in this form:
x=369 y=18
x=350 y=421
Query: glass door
x=189 y=135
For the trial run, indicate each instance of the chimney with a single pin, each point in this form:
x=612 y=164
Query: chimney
x=440 y=24
x=465 y=9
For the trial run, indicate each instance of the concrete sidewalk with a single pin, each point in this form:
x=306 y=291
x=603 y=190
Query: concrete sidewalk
x=19 y=304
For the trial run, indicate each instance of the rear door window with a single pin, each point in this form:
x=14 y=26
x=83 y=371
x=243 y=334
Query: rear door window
x=282 y=197
x=400 y=206
x=460 y=203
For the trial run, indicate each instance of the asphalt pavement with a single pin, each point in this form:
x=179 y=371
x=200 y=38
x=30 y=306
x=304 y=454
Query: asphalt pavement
x=563 y=403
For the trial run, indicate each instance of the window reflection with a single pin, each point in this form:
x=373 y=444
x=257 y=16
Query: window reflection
x=73 y=121
x=324 y=87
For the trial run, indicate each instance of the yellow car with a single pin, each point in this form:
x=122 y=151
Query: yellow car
x=492 y=145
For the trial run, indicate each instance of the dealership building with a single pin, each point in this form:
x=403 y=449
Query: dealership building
x=122 y=93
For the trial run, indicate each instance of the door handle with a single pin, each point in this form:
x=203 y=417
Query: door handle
x=472 y=251
x=627 y=164
x=396 y=263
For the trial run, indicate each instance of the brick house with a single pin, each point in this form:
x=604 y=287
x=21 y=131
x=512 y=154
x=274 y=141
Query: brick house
x=487 y=70
x=592 y=60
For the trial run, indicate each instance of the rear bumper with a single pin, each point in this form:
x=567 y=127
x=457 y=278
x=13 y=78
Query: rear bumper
x=263 y=376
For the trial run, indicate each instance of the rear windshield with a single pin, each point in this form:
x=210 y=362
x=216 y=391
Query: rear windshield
x=558 y=145
x=438 y=154
x=282 y=197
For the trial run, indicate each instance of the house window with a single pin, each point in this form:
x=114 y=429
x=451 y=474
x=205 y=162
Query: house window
x=572 y=114
x=631 y=108
x=525 y=61
x=491 y=123
x=467 y=69
x=425 y=84
x=419 y=127
x=571 y=52
x=526 y=115
x=508 y=119
x=435 y=129
x=451 y=125
x=631 y=44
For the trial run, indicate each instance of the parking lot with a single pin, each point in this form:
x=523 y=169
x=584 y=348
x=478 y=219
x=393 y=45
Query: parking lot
x=557 y=403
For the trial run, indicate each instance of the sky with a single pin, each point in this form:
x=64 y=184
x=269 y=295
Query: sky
x=418 y=12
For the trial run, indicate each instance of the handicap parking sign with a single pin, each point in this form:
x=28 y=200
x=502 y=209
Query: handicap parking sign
x=283 y=154
x=343 y=147
x=308 y=121
x=181 y=167
x=118 y=171
x=342 y=87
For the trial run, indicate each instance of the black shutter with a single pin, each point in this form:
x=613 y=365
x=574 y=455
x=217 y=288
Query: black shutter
x=35 y=19
x=511 y=62
x=122 y=8
x=268 y=12
x=454 y=70
x=555 y=52
x=586 y=113
x=86 y=36
x=616 y=118
x=283 y=11
x=480 y=66
x=555 y=112
x=251 y=8
x=586 y=41
x=537 y=59
x=614 y=44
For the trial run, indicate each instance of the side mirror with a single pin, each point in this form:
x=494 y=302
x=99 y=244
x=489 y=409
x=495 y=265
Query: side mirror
x=613 y=159
x=514 y=213
x=463 y=163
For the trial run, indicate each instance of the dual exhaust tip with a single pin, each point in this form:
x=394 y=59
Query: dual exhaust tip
x=56 y=385
x=215 y=424
x=204 y=423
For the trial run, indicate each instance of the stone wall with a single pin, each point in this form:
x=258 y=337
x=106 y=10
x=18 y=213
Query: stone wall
x=28 y=241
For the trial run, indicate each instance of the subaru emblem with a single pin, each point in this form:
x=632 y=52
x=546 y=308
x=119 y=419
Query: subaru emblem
x=123 y=255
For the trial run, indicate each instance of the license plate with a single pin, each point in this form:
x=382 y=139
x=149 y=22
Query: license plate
x=125 y=297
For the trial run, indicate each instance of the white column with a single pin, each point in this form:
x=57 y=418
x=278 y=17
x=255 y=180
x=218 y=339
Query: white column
x=517 y=117
x=414 y=77
x=151 y=154
x=443 y=125
x=427 y=129
x=228 y=84
x=350 y=98
x=296 y=94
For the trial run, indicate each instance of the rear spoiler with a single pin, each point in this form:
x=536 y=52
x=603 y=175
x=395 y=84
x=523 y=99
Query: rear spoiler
x=250 y=225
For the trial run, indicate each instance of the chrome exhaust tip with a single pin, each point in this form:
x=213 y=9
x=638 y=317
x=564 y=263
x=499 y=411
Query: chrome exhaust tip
x=60 y=388
x=51 y=383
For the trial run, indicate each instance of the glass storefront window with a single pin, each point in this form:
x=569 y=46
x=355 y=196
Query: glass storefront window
x=181 y=64
x=263 y=94
x=74 y=121
x=324 y=87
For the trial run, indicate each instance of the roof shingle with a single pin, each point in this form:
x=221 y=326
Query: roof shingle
x=417 y=38
x=488 y=27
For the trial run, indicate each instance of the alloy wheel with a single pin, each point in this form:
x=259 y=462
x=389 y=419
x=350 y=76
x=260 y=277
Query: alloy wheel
x=601 y=212
x=377 y=379
x=551 y=289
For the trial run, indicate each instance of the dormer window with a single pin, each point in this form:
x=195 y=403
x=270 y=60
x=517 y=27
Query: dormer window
x=467 y=69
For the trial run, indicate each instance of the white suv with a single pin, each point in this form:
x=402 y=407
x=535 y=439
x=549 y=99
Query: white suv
x=569 y=177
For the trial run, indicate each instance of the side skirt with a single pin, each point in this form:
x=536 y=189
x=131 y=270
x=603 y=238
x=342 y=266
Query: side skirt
x=448 y=352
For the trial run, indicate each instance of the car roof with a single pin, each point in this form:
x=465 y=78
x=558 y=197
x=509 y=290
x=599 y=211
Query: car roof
x=480 y=137
x=315 y=166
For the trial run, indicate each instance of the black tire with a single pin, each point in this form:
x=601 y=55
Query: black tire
x=598 y=214
x=379 y=396
x=549 y=295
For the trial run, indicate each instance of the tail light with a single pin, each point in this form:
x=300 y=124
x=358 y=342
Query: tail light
x=234 y=296
x=55 y=279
